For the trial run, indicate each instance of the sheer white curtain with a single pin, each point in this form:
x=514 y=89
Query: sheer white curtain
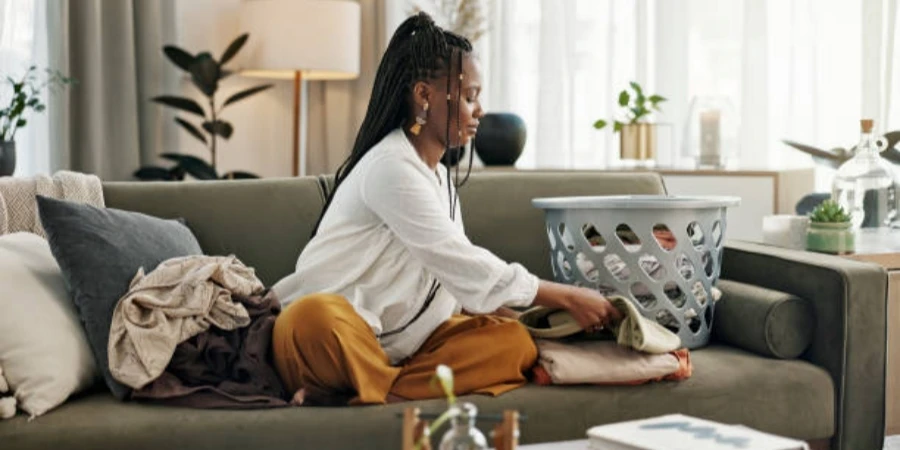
x=805 y=70
x=561 y=68
x=23 y=43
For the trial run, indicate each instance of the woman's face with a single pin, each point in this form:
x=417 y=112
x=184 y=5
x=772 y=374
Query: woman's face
x=467 y=107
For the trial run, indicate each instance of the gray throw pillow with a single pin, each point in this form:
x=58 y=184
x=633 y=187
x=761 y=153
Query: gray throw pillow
x=99 y=251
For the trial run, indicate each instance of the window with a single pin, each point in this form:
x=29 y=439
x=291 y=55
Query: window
x=22 y=44
x=792 y=70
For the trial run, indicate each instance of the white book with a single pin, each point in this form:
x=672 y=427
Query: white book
x=680 y=432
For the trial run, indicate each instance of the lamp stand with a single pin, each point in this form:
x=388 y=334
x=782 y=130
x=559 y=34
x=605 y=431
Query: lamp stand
x=298 y=77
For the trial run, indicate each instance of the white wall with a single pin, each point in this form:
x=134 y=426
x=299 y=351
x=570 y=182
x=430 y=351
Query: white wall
x=263 y=135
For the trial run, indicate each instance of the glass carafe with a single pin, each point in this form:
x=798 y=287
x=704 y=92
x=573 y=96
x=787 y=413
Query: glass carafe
x=864 y=185
x=462 y=434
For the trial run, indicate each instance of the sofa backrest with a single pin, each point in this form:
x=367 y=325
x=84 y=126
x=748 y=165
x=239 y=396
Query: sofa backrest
x=266 y=223
x=498 y=214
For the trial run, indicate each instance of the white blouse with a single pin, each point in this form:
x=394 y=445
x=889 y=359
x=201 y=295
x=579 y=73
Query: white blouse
x=387 y=236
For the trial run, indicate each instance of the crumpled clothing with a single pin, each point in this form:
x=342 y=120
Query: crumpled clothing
x=178 y=300
x=225 y=368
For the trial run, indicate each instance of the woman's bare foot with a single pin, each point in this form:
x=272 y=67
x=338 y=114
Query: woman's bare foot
x=299 y=397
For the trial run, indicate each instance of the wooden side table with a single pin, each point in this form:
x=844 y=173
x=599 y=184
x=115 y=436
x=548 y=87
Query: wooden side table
x=883 y=247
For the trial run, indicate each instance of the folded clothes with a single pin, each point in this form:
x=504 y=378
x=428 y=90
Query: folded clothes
x=633 y=331
x=605 y=362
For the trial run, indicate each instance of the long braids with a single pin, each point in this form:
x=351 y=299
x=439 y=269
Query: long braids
x=418 y=50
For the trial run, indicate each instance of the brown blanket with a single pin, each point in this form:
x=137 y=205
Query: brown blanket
x=224 y=369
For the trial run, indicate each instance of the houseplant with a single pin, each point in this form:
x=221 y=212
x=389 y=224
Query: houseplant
x=26 y=95
x=205 y=73
x=637 y=135
x=830 y=229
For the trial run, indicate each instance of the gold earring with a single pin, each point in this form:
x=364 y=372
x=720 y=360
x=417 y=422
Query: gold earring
x=420 y=121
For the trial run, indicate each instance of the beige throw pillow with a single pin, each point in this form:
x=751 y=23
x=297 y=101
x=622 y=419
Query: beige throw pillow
x=43 y=348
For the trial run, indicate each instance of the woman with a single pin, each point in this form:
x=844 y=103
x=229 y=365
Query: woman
x=375 y=300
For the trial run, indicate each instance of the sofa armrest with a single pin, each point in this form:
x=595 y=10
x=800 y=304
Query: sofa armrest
x=850 y=302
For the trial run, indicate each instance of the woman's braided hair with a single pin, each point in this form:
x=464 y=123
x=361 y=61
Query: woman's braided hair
x=419 y=50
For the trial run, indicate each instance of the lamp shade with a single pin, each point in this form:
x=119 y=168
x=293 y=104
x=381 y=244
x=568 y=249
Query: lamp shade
x=320 y=38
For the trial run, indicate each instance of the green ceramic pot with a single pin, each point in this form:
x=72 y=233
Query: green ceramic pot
x=825 y=237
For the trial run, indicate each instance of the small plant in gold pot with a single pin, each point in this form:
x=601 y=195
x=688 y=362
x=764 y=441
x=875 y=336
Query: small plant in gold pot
x=830 y=229
x=637 y=135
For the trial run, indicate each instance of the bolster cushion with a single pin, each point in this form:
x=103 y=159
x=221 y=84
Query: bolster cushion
x=770 y=323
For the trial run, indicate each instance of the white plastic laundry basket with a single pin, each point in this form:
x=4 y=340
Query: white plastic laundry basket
x=609 y=243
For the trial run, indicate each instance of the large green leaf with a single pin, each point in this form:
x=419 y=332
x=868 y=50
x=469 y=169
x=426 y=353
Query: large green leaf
x=190 y=128
x=233 y=48
x=179 y=57
x=623 y=98
x=184 y=104
x=246 y=93
x=197 y=167
x=205 y=73
x=219 y=127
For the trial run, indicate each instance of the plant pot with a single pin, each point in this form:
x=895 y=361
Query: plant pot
x=500 y=139
x=835 y=238
x=7 y=158
x=637 y=142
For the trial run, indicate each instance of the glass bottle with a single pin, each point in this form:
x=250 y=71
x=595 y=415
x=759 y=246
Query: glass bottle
x=462 y=434
x=864 y=185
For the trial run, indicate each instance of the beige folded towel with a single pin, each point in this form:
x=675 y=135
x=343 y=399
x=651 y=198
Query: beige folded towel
x=640 y=333
x=601 y=362
x=18 y=207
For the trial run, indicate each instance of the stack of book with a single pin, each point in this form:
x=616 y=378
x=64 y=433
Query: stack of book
x=679 y=432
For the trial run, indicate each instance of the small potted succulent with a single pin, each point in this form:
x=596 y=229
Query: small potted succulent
x=830 y=229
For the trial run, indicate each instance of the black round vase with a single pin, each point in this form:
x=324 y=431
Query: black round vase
x=500 y=139
x=7 y=158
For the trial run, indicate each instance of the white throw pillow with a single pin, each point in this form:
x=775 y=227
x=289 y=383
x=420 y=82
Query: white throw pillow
x=43 y=348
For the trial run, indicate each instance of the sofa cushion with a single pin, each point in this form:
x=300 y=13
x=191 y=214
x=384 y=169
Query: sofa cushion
x=43 y=350
x=99 y=251
x=788 y=397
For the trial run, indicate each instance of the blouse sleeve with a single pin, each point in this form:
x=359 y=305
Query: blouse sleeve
x=402 y=196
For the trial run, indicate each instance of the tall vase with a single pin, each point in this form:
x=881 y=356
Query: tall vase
x=637 y=143
x=500 y=139
x=7 y=158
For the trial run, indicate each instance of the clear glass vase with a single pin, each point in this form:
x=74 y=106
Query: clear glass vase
x=462 y=434
x=864 y=185
x=710 y=137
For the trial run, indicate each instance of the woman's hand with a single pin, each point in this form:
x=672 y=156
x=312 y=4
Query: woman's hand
x=591 y=310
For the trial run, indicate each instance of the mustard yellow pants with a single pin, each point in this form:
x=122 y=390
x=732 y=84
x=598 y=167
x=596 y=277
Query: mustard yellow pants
x=320 y=344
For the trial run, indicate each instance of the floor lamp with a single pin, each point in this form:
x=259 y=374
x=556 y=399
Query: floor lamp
x=301 y=40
